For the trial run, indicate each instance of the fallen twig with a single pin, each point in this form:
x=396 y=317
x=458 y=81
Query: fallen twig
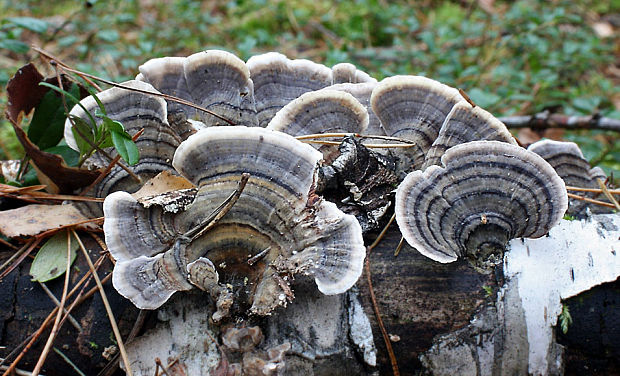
x=544 y=120
x=28 y=247
x=375 y=306
x=71 y=319
x=117 y=334
x=592 y=201
x=593 y=190
x=66 y=359
x=63 y=300
x=607 y=193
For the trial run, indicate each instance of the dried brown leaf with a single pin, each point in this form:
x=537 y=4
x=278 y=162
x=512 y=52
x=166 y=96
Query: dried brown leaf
x=34 y=219
x=162 y=183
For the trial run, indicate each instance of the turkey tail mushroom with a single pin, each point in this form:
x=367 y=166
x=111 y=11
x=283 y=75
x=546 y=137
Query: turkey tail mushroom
x=136 y=111
x=322 y=111
x=413 y=108
x=277 y=221
x=486 y=193
x=278 y=80
x=347 y=72
x=465 y=124
x=568 y=161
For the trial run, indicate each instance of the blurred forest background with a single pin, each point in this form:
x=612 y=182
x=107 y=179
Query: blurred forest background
x=510 y=57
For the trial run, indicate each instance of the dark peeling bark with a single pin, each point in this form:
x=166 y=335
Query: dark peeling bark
x=419 y=298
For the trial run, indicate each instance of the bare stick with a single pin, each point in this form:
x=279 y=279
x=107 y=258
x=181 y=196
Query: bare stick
x=117 y=334
x=340 y=135
x=15 y=255
x=254 y=259
x=375 y=306
x=63 y=300
x=31 y=245
x=593 y=190
x=592 y=201
x=546 y=120
x=607 y=194
x=32 y=339
x=51 y=295
x=111 y=83
x=399 y=246
x=66 y=359
x=370 y=146
x=219 y=212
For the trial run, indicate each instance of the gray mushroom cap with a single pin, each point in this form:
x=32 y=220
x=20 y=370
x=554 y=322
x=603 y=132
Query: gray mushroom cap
x=413 y=108
x=277 y=214
x=135 y=111
x=322 y=111
x=347 y=72
x=216 y=80
x=278 y=80
x=486 y=193
x=568 y=161
x=466 y=123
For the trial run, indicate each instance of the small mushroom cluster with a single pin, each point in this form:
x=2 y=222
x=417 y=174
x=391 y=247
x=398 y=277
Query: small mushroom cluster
x=468 y=187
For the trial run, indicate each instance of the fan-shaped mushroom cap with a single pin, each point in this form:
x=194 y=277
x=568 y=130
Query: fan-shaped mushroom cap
x=486 y=193
x=347 y=72
x=135 y=111
x=167 y=75
x=214 y=79
x=220 y=82
x=568 y=161
x=362 y=92
x=277 y=215
x=466 y=123
x=322 y=111
x=278 y=80
x=413 y=108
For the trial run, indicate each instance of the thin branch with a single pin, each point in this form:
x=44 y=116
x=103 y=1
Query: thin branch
x=66 y=359
x=14 y=256
x=31 y=245
x=219 y=212
x=70 y=225
x=370 y=146
x=375 y=306
x=341 y=135
x=117 y=334
x=607 y=194
x=592 y=201
x=111 y=83
x=544 y=120
x=63 y=300
x=51 y=295
x=593 y=190
x=29 y=342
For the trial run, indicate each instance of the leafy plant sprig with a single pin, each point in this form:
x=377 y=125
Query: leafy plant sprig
x=565 y=319
x=90 y=136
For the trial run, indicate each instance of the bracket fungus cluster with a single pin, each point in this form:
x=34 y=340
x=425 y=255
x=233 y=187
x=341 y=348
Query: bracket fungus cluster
x=568 y=161
x=486 y=193
x=277 y=221
x=469 y=187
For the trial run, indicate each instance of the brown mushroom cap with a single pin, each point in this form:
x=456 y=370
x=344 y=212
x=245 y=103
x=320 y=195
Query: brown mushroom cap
x=413 y=108
x=277 y=212
x=568 y=161
x=486 y=193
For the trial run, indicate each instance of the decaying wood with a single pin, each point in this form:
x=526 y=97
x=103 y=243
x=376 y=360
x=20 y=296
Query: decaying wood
x=544 y=120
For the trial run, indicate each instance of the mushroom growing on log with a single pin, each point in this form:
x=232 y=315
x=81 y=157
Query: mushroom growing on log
x=568 y=161
x=486 y=193
x=277 y=221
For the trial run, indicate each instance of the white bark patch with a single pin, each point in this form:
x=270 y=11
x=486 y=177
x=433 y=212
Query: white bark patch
x=574 y=257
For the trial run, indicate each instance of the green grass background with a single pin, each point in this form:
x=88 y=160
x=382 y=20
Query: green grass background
x=511 y=57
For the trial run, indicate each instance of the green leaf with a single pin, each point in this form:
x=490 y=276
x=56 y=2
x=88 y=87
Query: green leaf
x=51 y=260
x=32 y=24
x=16 y=46
x=126 y=148
x=48 y=122
x=70 y=156
x=108 y=35
x=482 y=98
x=86 y=130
